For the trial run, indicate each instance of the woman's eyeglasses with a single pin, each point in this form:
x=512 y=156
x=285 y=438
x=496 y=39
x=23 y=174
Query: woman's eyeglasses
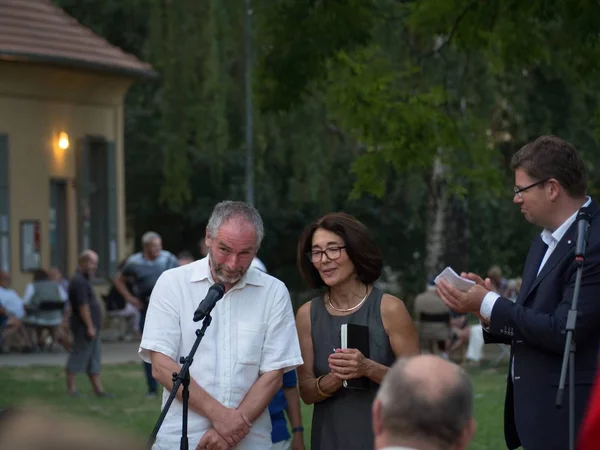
x=332 y=253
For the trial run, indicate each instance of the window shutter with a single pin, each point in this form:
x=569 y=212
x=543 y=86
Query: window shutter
x=112 y=208
x=83 y=193
x=4 y=206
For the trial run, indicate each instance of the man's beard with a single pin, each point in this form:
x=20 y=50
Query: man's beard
x=219 y=271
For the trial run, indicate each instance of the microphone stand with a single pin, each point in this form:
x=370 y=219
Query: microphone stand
x=182 y=378
x=569 y=352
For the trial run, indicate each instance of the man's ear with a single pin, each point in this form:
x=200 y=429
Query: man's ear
x=467 y=435
x=554 y=187
x=377 y=420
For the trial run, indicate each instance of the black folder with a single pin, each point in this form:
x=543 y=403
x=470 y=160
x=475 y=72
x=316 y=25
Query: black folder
x=356 y=336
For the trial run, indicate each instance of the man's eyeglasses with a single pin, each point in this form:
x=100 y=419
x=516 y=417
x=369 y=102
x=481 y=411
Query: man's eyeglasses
x=332 y=253
x=519 y=191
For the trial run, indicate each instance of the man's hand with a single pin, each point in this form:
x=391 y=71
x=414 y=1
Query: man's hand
x=349 y=363
x=487 y=283
x=212 y=441
x=232 y=425
x=90 y=332
x=462 y=302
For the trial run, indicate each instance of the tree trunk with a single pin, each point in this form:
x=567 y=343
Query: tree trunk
x=437 y=207
x=447 y=226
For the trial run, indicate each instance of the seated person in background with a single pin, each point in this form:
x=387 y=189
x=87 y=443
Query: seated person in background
x=44 y=291
x=12 y=311
x=499 y=283
x=512 y=288
x=433 y=320
x=460 y=331
x=56 y=275
x=64 y=331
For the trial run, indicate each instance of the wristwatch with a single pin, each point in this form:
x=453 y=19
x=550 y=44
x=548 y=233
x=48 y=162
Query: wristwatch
x=299 y=429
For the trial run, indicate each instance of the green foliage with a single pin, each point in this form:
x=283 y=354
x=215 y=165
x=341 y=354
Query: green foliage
x=300 y=36
x=355 y=101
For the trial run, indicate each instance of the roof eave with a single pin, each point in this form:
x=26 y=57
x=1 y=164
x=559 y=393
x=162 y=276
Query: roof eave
x=144 y=73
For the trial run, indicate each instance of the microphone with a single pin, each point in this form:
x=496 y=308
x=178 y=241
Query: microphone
x=215 y=293
x=583 y=227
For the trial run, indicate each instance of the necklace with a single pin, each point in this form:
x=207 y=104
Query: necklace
x=349 y=309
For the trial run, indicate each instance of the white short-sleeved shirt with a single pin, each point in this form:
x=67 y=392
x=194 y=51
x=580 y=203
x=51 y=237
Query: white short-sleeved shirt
x=10 y=300
x=252 y=332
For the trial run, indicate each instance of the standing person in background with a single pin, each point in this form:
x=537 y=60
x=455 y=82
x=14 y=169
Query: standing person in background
x=86 y=323
x=145 y=268
x=433 y=321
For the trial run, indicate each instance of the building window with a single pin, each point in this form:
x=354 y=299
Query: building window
x=97 y=202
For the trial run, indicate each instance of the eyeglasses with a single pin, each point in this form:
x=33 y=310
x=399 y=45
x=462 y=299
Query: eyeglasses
x=519 y=191
x=332 y=253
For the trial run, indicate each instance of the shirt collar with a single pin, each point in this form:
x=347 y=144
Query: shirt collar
x=552 y=238
x=201 y=272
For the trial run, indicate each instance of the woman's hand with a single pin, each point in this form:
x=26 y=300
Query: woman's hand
x=349 y=363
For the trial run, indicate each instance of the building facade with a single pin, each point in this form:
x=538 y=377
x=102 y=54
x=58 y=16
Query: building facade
x=62 y=94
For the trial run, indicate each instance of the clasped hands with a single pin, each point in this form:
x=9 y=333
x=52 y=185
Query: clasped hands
x=229 y=428
x=348 y=363
x=465 y=302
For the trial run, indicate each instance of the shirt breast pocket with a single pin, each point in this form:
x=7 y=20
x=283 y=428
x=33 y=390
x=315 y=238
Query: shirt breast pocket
x=251 y=337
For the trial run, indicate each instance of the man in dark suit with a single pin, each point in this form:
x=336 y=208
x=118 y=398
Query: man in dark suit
x=550 y=189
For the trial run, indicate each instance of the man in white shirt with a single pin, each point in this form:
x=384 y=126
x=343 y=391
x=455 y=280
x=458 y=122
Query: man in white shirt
x=424 y=403
x=12 y=311
x=250 y=343
x=550 y=189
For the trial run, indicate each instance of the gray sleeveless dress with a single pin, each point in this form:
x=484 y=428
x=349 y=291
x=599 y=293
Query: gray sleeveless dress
x=343 y=421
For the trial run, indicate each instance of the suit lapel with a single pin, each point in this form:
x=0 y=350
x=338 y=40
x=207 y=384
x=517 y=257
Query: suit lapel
x=534 y=259
x=564 y=247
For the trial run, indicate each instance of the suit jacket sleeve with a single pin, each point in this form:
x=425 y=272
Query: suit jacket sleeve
x=490 y=338
x=546 y=329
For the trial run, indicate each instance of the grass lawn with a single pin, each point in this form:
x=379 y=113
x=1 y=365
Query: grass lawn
x=130 y=410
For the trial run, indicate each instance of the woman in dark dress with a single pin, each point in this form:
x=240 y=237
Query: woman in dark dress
x=337 y=253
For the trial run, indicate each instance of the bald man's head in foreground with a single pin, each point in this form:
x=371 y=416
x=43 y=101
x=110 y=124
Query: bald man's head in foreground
x=424 y=402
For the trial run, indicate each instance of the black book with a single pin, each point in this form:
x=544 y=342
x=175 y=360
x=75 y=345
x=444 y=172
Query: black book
x=356 y=336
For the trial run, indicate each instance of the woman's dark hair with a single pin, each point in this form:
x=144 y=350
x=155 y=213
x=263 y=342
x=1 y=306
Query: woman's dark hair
x=360 y=246
x=40 y=275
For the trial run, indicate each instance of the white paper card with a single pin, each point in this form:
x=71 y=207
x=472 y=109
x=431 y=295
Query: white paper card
x=454 y=279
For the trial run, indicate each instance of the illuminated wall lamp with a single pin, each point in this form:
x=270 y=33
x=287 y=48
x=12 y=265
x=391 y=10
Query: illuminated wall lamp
x=63 y=140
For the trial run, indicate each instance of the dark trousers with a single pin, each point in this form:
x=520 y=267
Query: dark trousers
x=152 y=385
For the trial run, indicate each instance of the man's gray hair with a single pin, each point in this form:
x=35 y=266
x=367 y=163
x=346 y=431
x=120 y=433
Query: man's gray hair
x=149 y=236
x=435 y=408
x=229 y=210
